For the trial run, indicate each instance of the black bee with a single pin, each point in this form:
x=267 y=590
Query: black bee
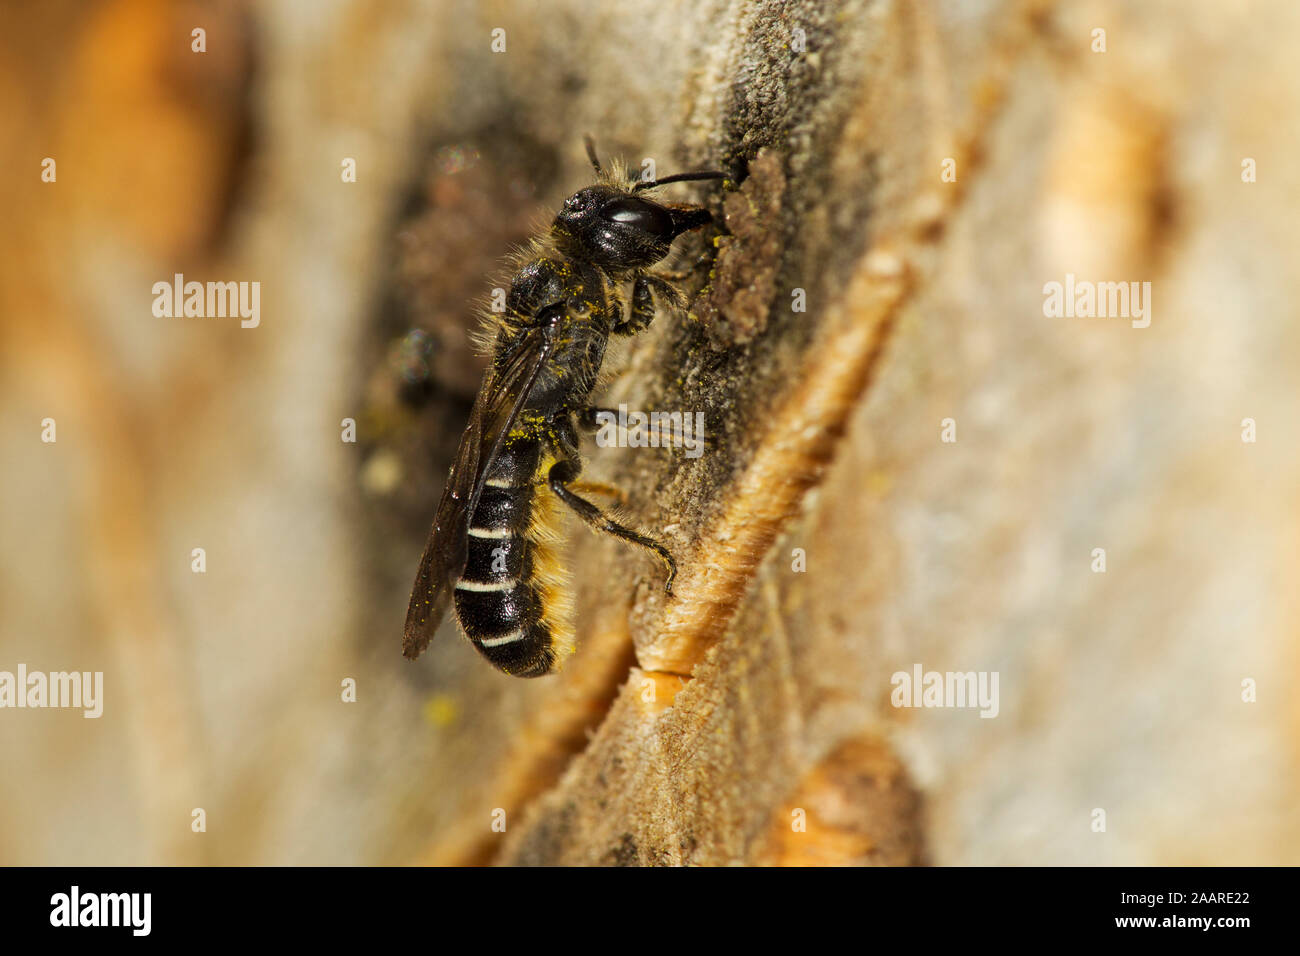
x=492 y=541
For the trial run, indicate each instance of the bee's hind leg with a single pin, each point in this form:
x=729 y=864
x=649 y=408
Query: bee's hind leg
x=563 y=474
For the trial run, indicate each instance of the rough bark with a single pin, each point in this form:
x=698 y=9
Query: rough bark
x=749 y=718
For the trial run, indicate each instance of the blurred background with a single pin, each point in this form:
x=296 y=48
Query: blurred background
x=919 y=170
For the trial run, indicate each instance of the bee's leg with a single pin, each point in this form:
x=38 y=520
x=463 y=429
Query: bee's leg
x=661 y=436
x=676 y=275
x=587 y=419
x=643 y=309
x=600 y=488
x=661 y=287
x=562 y=474
x=618 y=307
x=564 y=439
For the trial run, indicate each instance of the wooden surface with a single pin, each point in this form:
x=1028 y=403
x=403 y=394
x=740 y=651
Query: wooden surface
x=748 y=719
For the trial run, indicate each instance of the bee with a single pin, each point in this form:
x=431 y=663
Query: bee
x=491 y=550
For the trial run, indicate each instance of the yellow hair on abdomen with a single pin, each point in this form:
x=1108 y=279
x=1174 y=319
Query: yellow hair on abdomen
x=550 y=577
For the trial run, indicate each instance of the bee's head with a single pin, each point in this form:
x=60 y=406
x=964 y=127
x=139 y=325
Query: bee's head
x=618 y=229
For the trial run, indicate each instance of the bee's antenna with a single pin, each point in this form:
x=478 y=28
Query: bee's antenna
x=591 y=154
x=680 y=178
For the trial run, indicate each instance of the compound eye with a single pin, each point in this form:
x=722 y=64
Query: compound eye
x=641 y=215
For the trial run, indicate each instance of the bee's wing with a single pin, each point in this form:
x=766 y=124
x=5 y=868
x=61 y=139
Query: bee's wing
x=497 y=406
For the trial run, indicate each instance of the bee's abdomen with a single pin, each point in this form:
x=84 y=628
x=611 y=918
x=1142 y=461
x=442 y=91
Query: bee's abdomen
x=497 y=600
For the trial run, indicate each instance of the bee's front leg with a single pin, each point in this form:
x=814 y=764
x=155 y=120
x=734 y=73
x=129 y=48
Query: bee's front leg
x=643 y=309
x=676 y=275
x=644 y=289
